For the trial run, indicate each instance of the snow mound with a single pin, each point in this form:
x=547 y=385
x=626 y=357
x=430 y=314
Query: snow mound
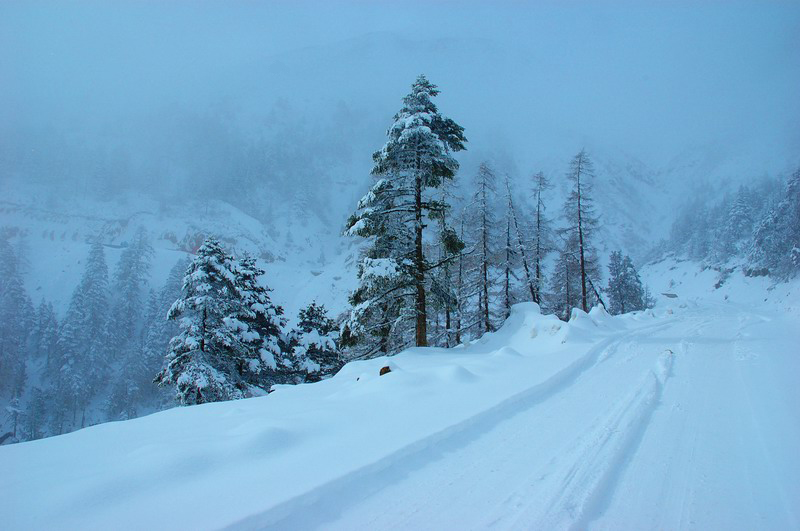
x=214 y=453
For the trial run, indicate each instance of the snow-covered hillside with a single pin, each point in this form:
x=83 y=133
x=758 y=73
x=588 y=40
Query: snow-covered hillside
x=682 y=418
x=305 y=259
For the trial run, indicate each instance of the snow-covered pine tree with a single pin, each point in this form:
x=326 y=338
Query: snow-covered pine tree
x=94 y=286
x=44 y=337
x=375 y=322
x=82 y=366
x=16 y=322
x=625 y=290
x=581 y=223
x=776 y=239
x=125 y=326
x=316 y=340
x=416 y=159
x=156 y=336
x=15 y=414
x=70 y=387
x=35 y=415
x=740 y=222
x=201 y=362
x=380 y=306
x=259 y=325
x=448 y=249
x=130 y=279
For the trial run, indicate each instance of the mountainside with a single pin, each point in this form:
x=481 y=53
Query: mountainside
x=399 y=265
x=54 y=239
x=678 y=418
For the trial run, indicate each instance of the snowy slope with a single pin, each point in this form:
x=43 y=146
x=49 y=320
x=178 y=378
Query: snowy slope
x=304 y=260
x=681 y=418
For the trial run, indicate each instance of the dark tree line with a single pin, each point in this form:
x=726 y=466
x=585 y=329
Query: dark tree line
x=213 y=319
x=233 y=342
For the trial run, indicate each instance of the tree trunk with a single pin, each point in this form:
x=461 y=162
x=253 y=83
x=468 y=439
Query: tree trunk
x=580 y=242
x=569 y=300
x=508 y=269
x=528 y=278
x=485 y=261
x=447 y=325
x=419 y=266
x=460 y=288
x=537 y=296
x=203 y=333
x=384 y=330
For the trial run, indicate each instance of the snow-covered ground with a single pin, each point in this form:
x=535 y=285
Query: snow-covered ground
x=684 y=417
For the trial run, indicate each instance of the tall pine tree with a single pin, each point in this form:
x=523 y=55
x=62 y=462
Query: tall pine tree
x=200 y=363
x=625 y=290
x=231 y=335
x=415 y=160
x=82 y=367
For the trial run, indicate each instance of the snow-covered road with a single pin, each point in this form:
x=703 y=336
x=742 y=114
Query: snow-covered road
x=686 y=419
x=688 y=423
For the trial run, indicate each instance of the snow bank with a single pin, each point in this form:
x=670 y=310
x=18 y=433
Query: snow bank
x=212 y=465
x=678 y=283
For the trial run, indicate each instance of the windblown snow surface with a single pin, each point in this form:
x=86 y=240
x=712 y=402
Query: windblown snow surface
x=685 y=417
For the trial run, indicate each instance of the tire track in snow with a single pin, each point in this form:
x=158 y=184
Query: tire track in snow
x=326 y=502
x=589 y=485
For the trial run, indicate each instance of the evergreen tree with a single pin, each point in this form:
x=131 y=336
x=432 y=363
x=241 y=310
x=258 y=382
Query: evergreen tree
x=259 y=325
x=16 y=415
x=35 y=415
x=160 y=329
x=82 y=366
x=94 y=286
x=415 y=160
x=124 y=329
x=776 y=239
x=739 y=226
x=625 y=290
x=44 y=337
x=201 y=362
x=316 y=341
x=130 y=279
x=374 y=325
x=449 y=247
x=231 y=341
x=155 y=339
x=16 y=320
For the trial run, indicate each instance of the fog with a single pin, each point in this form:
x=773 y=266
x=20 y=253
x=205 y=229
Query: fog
x=150 y=96
x=131 y=132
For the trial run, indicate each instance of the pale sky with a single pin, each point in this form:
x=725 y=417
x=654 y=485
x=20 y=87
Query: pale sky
x=649 y=78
